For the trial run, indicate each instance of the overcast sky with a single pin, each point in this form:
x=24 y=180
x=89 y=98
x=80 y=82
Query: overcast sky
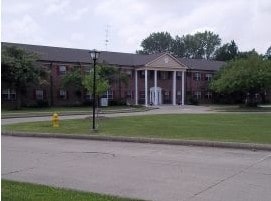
x=82 y=23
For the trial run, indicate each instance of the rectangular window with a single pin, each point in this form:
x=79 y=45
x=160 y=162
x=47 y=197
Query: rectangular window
x=129 y=73
x=142 y=74
x=62 y=70
x=63 y=94
x=208 y=95
x=87 y=96
x=129 y=94
x=179 y=75
x=197 y=76
x=164 y=75
x=142 y=95
x=197 y=94
x=208 y=77
x=39 y=94
x=87 y=69
x=108 y=94
x=8 y=94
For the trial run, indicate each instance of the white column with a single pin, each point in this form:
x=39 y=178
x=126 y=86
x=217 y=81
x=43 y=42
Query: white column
x=174 y=89
x=155 y=88
x=146 y=87
x=136 y=89
x=182 y=87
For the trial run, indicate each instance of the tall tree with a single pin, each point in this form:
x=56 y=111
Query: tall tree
x=247 y=54
x=227 y=52
x=20 y=69
x=246 y=75
x=156 y=43
x=178 y=48
x=102 y=84
x=268 y=53
x=73 y=79
x=201 y=45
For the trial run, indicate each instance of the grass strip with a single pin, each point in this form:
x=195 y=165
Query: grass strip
x=20 y=191
x=247 y=128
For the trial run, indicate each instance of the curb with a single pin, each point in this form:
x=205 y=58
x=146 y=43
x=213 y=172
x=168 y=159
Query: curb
x=232 y=145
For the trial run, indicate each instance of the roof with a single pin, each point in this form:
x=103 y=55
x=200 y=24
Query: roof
x=202 y=64
x=60 y=54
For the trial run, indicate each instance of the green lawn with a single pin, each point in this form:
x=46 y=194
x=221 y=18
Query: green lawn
x=18 y=191
x=252 y=128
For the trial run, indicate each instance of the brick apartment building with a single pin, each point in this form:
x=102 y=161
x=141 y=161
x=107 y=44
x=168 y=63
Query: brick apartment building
x=153 y=79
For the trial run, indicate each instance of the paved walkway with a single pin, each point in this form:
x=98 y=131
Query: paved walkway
x=161 y=110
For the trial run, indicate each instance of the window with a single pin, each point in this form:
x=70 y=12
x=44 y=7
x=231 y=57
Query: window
x=197 y=76
x=129 y=94
x=208 y=95
x=62 y=70
x=142 y=74
x=108 y=94
x=129 y=73
x=63 y=94
x=39 y=94
x=8 y=94
x=179 y=75
x=142 y=95
x=87 y=96
x=86 y=69
x=197 y=94
x=208 y=77
x=163 y=75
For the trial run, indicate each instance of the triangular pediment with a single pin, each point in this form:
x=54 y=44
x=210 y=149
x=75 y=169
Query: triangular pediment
x=166 y=61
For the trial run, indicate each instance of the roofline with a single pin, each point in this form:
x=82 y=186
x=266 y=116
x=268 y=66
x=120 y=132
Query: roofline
x=174 y=58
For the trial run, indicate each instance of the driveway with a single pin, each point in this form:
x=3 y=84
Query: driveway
x=146 y=171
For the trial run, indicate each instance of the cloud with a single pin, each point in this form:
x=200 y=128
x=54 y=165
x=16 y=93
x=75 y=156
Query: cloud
x=57 y=7
x=24 y=30
x=245 y=21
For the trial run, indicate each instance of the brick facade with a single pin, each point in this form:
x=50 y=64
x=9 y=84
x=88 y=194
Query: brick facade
x=60 y=61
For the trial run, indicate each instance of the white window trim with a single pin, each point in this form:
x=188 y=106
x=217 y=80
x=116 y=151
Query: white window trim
x=9 y=93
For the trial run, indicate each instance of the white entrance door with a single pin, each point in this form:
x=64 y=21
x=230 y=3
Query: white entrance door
x=152 y=96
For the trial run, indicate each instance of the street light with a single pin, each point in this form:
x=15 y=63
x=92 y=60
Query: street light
x=94 y=55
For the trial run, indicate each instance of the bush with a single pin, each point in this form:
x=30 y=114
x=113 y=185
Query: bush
x=42 y=103
x=193 y=101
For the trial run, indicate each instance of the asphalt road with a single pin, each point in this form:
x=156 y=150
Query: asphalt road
x=146 y=171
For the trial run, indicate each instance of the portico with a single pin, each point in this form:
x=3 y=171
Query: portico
x=167 y=66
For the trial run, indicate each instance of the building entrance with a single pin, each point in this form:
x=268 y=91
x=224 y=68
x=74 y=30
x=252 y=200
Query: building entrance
x=155 y=100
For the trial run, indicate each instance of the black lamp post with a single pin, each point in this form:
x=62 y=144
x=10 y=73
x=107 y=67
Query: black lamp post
x=94 y=55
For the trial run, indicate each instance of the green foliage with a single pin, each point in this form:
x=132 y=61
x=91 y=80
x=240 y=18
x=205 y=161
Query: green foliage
x=268 y=53
x=102 y=84
x=73 y=78
x=227 y=52
x=19 y=69
x=247 y=54
x=156 y=43
x=253 y=128
x=249 y=76
x=199 y=45
x=18 y=66
x=21 y=191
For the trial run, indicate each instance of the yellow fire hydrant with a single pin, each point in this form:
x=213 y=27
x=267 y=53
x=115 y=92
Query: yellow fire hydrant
x=55 y=120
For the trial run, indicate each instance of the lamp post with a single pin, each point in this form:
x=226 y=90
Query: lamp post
x=94 y=55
